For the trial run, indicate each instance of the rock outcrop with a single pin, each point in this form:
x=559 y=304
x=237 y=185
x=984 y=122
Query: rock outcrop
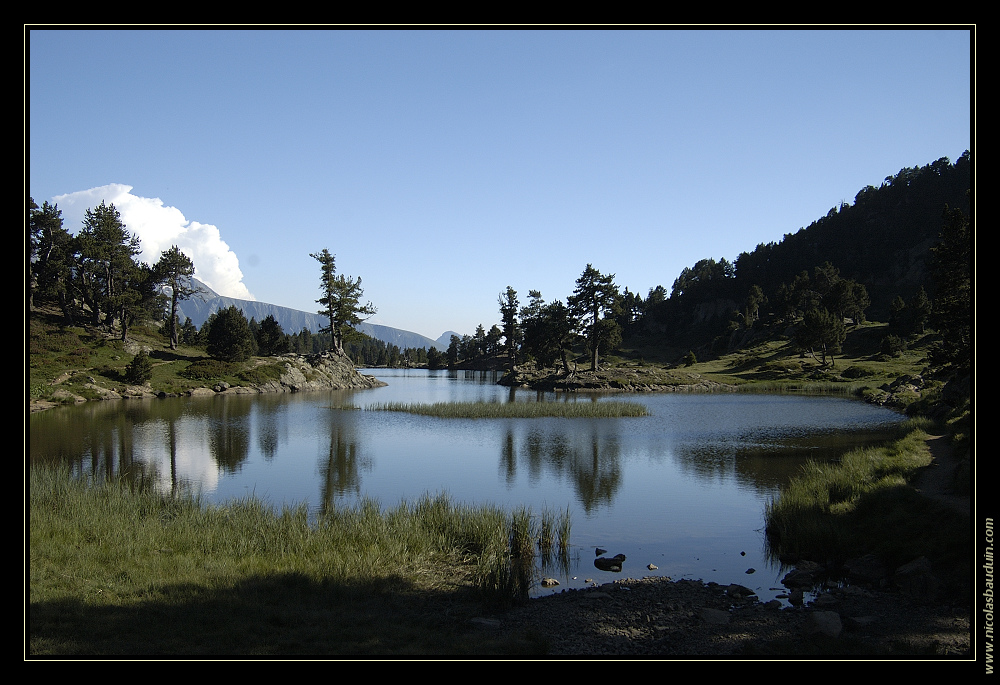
x=315 y=372
x=299 y=373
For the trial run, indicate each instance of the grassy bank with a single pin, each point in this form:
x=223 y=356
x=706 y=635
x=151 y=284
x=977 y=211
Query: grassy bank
x=116 y=571
x=863 y=504
x=68 y=362
x=517 y=410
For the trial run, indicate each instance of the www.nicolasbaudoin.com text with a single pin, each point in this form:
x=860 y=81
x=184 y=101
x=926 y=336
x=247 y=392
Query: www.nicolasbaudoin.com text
x=988 y=596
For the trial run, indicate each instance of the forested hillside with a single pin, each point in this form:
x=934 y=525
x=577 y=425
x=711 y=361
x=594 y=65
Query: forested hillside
x=883 y=242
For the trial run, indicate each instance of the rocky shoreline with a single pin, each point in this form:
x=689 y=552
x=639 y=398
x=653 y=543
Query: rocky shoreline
x=656 y=616
x=631 y=379
x=301 y=373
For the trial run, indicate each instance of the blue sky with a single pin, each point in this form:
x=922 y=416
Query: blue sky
x=443 y=166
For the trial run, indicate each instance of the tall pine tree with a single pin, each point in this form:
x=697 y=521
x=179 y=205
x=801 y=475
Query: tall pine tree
x=341 y=301
x=175 y=269
x=595 y=295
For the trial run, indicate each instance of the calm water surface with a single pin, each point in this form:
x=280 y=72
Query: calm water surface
x=683 y=488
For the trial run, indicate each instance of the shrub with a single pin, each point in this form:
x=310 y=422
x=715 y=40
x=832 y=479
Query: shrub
x=140 y=369
x=261 y=375
x=892 y=345
x=858 y=372
x=209 y=369
x=781 y=366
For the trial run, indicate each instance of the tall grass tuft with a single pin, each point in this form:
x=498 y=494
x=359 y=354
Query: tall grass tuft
x=553 y=537
x=516 y=410
x=564 y=526
x=546 y=535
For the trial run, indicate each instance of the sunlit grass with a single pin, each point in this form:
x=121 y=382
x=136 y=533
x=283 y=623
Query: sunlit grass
x=516 y=410
x=121 y=569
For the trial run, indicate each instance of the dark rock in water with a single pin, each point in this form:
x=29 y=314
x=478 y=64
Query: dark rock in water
x=612 y=564
x=598 y=552
x=800 y=577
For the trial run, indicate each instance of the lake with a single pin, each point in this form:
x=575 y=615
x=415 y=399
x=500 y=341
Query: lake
x=683 y=489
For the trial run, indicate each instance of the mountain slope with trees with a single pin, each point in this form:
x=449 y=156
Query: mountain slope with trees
x=883 y=243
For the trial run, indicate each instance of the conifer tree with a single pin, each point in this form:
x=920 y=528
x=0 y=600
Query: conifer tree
x=594 y=296
x=107 y=252
x=175 y=269
x=229 y=337
x=341 y=300
x=952 y=312
x=511 y=327
x=51 y=256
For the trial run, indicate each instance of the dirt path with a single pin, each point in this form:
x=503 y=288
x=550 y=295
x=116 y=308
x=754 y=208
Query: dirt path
x=936 y=481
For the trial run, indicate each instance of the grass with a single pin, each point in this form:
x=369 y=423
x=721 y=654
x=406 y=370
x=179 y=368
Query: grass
x=516 y=410
x=774 y=364
x=82 y=358
x=117 y=569
x=863 y=504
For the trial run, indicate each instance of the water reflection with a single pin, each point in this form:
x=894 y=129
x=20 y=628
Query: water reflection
x=767 y=462
x=683 y=488
x=229 y=431
x=342 y=465
x=213 y=440
x=588 y=459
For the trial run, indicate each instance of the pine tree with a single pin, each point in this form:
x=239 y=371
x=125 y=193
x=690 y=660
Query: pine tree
x=511 y=327
x=821 y=330
x=952 y=314
x=140 y=369
x=270 y=338
x=341 y=300
x=175 y=269
x=594 y=296
x=51 y=257
x=548 y=331
x=107 y=252
x=229 y=337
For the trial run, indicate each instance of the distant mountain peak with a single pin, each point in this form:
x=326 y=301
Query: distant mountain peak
x=204 y=292
x=445 y=338
x=206 y=302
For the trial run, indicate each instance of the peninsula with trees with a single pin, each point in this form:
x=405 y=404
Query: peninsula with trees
x=870 y=293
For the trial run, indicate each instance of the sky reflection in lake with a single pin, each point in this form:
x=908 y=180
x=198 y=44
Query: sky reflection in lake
x=683 y=488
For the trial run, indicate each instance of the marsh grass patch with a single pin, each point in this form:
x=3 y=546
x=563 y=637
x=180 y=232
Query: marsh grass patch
x=516 y=410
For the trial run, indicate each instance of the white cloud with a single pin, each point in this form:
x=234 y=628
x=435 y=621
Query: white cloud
x=159 y=228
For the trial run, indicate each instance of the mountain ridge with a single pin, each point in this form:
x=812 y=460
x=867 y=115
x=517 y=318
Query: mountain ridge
x=205 y=302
